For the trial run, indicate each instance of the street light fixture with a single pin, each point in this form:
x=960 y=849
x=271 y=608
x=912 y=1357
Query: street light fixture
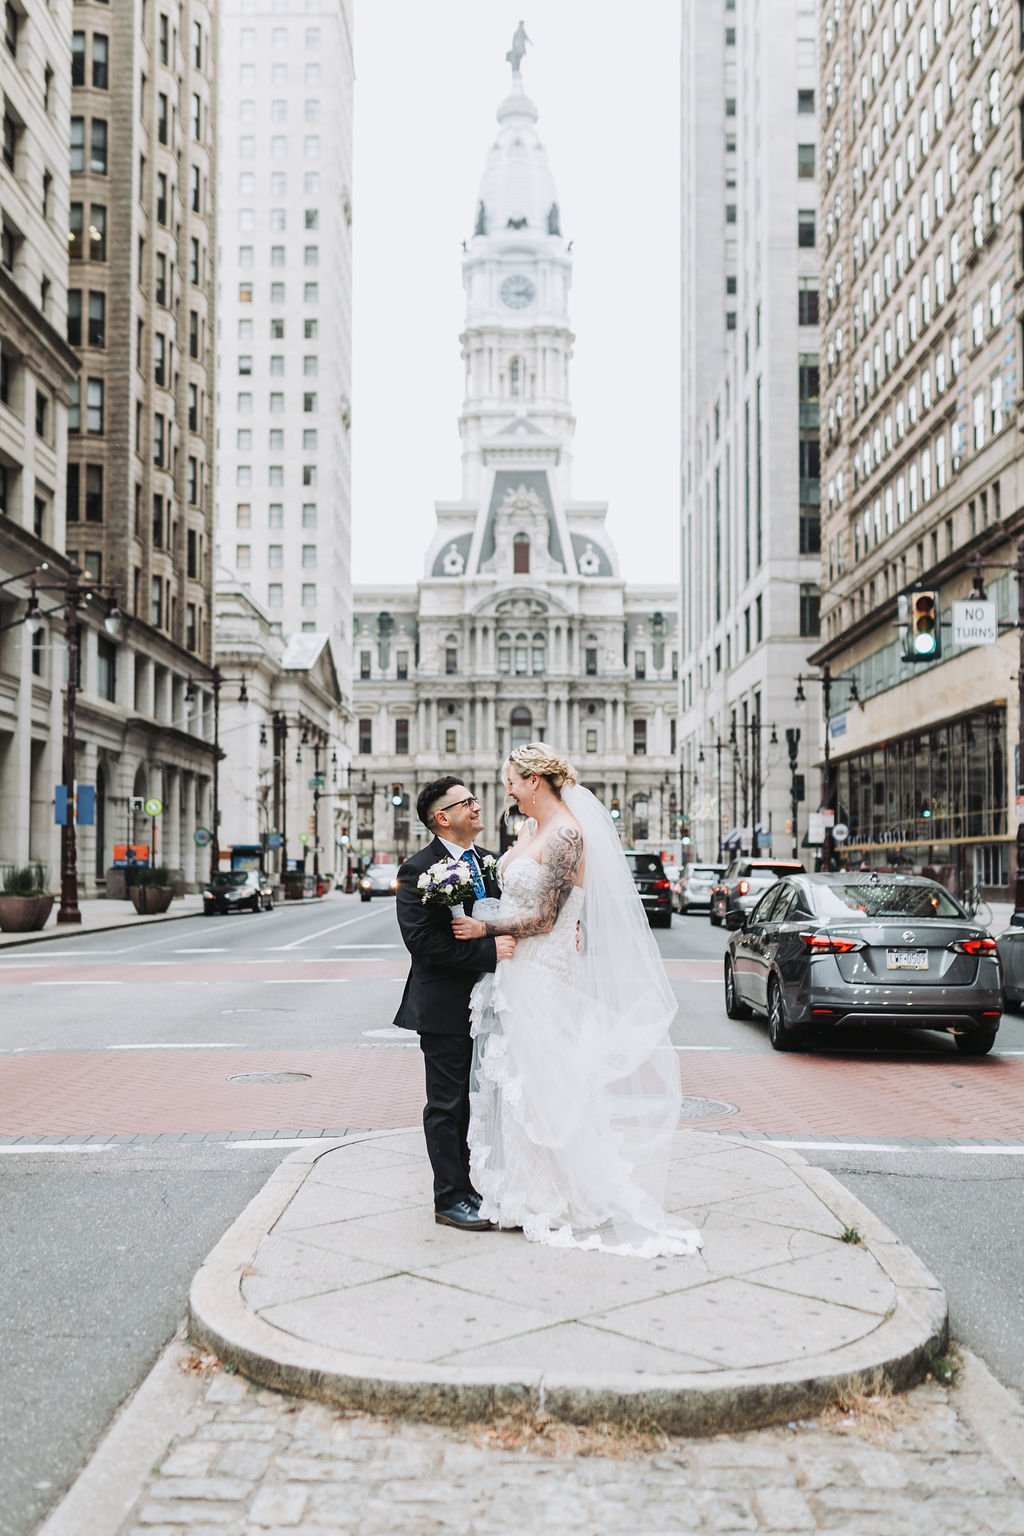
x=825 y=679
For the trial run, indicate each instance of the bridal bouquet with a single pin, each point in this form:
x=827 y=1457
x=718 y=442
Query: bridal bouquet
x=448 y=883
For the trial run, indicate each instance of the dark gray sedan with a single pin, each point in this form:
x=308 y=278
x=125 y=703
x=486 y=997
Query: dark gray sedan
x=868 y=950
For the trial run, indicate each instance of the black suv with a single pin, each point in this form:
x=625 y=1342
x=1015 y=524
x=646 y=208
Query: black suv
x=654 y=886
x=232 y=890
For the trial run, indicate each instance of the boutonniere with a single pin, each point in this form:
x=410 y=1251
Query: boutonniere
x=489 y=865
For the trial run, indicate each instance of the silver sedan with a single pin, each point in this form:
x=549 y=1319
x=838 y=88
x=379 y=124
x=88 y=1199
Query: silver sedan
x=871 y=950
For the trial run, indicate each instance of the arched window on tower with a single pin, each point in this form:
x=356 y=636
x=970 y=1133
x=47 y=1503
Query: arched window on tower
x=515 y=377
x=521 y=554
x=504 y=652
x=522 y=655
x=521 y=723
x=538 y=656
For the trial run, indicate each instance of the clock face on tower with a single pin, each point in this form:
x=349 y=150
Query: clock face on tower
x=517 y=291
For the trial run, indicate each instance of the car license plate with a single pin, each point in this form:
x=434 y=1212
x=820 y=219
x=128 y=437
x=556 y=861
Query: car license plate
x=906 y=959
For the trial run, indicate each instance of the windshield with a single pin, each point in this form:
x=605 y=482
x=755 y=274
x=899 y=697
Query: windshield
x=384 y=871
x=704 y=872
x=886 y=898
x=231 y=877
x=644 y=864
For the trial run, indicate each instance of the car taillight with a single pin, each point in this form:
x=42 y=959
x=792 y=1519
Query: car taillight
x=662 y=885
x=743 y=887
x=829 y=943
x=985 y=946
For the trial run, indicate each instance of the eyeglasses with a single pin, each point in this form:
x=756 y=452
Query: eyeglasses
x=455 y=805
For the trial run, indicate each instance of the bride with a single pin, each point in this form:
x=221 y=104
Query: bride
x=575 y=1089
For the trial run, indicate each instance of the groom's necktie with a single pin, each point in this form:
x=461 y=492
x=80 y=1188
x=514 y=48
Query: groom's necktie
x=479 y=889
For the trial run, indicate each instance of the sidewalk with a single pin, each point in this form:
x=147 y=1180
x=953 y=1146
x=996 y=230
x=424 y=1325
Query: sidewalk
x=336 y=1283
x=100 y=915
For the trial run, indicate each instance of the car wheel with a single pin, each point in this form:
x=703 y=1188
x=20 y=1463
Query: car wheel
x=364 y=898
x=781 y=1037
x=1012 y=1004
x=978 y=1043
x=734 y=1008
x=666 y=920
x=716 y=919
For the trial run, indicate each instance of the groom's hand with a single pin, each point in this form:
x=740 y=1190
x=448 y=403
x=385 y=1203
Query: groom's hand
x=504 y=946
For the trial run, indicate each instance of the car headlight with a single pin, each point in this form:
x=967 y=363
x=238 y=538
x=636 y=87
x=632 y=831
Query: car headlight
x=207 y=895
x=364 y=885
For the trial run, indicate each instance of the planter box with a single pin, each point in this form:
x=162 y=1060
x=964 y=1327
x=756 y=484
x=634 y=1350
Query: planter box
x=148 y=900
x=24 y=914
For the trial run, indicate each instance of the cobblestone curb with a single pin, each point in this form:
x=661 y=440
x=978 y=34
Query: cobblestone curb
x=897 y=1352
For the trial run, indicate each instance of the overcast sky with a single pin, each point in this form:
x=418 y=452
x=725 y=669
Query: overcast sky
x=605 y=78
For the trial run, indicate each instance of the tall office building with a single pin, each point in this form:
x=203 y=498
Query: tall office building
x=922 y=341
x=140 y=309
x=750 y=455
x=285 y=282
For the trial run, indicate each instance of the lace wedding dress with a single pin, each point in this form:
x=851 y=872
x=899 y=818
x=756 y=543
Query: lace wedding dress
x=570 y=1124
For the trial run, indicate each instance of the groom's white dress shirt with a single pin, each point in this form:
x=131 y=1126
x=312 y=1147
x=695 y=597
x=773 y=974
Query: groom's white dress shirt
x=456 y=851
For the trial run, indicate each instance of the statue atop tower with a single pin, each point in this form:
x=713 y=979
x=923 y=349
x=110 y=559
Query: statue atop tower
x=517 y=52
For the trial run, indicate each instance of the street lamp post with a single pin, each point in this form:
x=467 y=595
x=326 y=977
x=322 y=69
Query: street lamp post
x=1017 y=566
x=793 y=747
x=752 y=778
x=217 y=681
x=826 y=679
x=718 y=746
x=74 y=593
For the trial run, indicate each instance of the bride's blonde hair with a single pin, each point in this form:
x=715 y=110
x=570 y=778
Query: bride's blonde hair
x=537 y=757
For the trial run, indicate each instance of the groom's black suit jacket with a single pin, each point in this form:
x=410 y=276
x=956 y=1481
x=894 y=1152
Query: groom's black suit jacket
x=436 y=996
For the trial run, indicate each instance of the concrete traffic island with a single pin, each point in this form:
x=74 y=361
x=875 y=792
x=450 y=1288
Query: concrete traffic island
x=336 y=1284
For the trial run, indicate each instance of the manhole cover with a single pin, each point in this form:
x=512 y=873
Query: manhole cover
x=270 y=1077
x=705 y=1109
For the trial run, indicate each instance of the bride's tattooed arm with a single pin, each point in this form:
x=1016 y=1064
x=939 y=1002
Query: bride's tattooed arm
x=559 y=870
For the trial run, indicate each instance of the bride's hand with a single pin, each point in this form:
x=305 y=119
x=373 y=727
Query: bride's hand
x=468 y=928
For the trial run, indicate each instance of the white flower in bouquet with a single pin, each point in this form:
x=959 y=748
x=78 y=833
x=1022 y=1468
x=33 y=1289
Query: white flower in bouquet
x=448 y=883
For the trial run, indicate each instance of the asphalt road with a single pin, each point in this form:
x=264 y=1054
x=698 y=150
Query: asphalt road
x=97 y=1249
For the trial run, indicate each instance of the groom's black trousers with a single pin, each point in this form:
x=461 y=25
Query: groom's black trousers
x=446 y=1114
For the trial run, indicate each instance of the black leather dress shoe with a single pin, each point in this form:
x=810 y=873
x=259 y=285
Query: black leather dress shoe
x=462 y=1215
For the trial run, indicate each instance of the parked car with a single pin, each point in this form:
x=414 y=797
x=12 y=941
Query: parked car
x=872 y=950
x=234 y=890
x=378 y=880
x=691 y=892
x=744 y=881
x=654 y=886
x=1010 y=949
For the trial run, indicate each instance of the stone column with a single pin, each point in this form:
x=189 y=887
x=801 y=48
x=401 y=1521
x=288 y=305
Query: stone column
x=188 y=827
x=172 y=819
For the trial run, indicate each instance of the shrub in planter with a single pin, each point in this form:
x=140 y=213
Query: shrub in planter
x=25 y=902
x=153 y=891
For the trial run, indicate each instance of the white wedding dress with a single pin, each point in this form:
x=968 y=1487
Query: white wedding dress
x=574 y=1099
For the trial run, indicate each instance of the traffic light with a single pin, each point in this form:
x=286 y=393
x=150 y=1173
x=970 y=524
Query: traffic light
x=615 y=812
x=920 y=625
x=397 y=797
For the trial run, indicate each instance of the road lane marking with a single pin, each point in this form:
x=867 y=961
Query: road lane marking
x=368 y=946
x=178 y=1045
x=303 y=981
x=734 y=1048
x=79 y=982
x=212 y=949
x=333 y=929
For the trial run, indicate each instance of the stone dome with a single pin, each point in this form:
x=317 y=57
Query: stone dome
x=517 y=193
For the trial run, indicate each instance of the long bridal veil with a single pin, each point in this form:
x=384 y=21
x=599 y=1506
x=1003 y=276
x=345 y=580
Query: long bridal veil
x=626 y=1065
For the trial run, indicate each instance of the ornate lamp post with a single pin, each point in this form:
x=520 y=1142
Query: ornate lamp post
x=74 y=593
x=826 y=678
x=752 y=777
x=718 y=747
x=217 y=681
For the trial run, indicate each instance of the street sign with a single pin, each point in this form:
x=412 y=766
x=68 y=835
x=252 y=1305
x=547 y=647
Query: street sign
x=828 y=818
x=975 y=623
x=317 y=782
x=815 y=827
x=840 y=832
x=153 y=806
x=202 y=836
x=274 y=840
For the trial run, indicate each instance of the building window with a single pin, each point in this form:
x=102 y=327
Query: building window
x=521 y=727
x=805 y=103
x=309 y=594
x=365 y=662
x=805 y=162
x=590 y=661
x=401 y=738
x=402 y=665
x=521 y=554
x=366 y=735
x=94 y=406
x=810 y=610
x=640 y=664
x=807 y=301
x=451 y=660
x=93 y=493
x=275 y=595
x=591 y=740
x=639 y=738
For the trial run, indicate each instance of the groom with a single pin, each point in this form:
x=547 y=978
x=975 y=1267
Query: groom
x=436 y=998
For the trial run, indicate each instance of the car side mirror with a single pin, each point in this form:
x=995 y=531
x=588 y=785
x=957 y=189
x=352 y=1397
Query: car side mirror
x=736 y=919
